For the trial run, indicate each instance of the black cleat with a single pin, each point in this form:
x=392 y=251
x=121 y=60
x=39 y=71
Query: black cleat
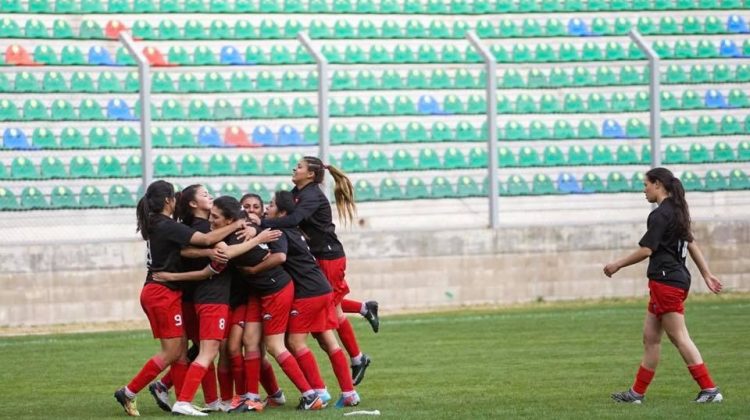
x=312 y=402
x=127 y=404
x=627 y=397
x=709 y=396
x=372 y=315
x=161 y=395
x=358 y=371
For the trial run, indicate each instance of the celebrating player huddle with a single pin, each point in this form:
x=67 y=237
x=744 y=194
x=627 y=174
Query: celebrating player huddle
x=238 y=285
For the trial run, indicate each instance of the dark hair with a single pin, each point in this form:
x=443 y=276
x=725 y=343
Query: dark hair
x=343 y=190
x=676 y=191
x=252 y=195
x=284 y=201
x=182 y=210
x=152 y=203
x=229 y=207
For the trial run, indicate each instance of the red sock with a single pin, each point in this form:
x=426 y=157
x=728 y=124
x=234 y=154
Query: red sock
x=193 y=379
x=252 y=371
x=179 y=370
x=643 y=379
x=166 y=380
x=346 y=334
x=238 y=374
x=341 y=370
x=268 y=377
x=351 y=306
x=148 y=373
x=699 y=372
x=226 y=386
x=208 y=383
x=291 y=368
x=306 y=362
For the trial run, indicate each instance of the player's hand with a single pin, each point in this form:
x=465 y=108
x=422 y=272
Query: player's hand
x=713 y=283
x=162 y=276
x=217 y=254
x=253 y=218
x=246 y=233
x=611 y=269
x=269 y=235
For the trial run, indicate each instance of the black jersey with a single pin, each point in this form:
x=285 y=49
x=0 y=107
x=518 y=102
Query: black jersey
x=668 y=251
x=239 y=289
x=214 y=289
x=265 y=283
x=194 y=264
x=165 y=240
x=308 y=280
x=313 y=216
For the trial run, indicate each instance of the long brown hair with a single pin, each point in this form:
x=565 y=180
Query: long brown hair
x=182 y=210
x=343 y=189
x=676 y=191
x=151 y=204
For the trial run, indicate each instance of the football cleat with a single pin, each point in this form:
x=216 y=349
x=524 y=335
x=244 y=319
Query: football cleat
x=215 y=407
x=348 y=401
x=186 y=409
x=709 y=396
x=161 y=395
x=310 y=403
x=325 y=397
x=275 y=400
x=627 y=397
x=372 y=314
x=128 y=404
x=358 y=371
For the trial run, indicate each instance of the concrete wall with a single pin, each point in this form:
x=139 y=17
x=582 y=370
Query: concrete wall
x=73 y=282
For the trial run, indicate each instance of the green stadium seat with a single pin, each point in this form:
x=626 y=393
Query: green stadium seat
x=165 y=166
x=674 y=154
x=91 y=197
x=626 y=155
x=416 y=131
x=592 y=183
x=8 y=200
x=516 y=185
x=90 y=110
x=441 y=188
x=390 y=133
x=505 y=158
x=467 y=187
x=454 y=159
x=218 y=164
x=525 y=104
x=52 y=168
x=737 y=99
x=723 y=152
x=538 y=130
x=715 y=181
x=476 y=104
x=698 y=153
x=34 y=110
x=731 y=125
x=377 y=161
x=71 y=138
x=90 y=29
x=582 y=77
x=110 y=167
x=274 y=165
x=743 y=151
x=390 y=190
x=668 y=101
x=45 y=55
x=587 y=130
x=635 y=128
x=415 y=189
x=597 y=102
x=706 y=126
x=601 y=155
x=366 y=30
x=738 y=180
x=428 y=159
x=605 y=77
x=572 y=102
x=562 y=130
x=62 y=198
x=364 y=191
x=577 y=155
x=53 y=82
x=32 y=198
x=247 y=165
x=403 y=161
x=630 y=76
x=25 y=82
x=340 y=134
x=478 y=157
x=259 y=189
x=351 y=162
x=555 y=28
x=543 y=185
x=171 y=110
x=682 y=127
x=450 y=54
x=42 y=138
x=721 y=73
x=126 y=137
x=81 y=167
x=107 y=82
x=214 y=82
x=133 y=167
x=193 y=6
x=465 y=131
x=204 y=56
x=553 y=156
x=277 y=108
x=616 y=182
x=528 y=157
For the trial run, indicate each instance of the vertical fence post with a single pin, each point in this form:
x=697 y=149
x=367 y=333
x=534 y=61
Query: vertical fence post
x=144 y=82
x=654 y=90
x=490 y=65
x=324 y=132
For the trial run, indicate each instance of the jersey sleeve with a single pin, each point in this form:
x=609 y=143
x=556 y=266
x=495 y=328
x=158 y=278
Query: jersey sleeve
x=656 y=227
x=308 y=204
x=179 y=233
x=281 y=245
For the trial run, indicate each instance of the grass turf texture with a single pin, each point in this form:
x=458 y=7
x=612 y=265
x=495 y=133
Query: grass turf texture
x=536 y=361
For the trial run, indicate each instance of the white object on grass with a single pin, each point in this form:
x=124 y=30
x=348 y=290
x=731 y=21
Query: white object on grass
x=363 y=413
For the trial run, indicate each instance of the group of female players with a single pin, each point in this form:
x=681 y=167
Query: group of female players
x=240 y=282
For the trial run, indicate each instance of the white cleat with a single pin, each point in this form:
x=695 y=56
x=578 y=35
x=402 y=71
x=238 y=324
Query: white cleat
x=186 y=409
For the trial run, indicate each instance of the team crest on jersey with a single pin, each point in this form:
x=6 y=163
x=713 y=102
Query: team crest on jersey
x=267 y=317
x=264 y=246
x=294 y=312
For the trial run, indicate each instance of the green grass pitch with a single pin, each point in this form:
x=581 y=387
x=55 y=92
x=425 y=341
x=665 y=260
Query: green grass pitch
x=534 y=361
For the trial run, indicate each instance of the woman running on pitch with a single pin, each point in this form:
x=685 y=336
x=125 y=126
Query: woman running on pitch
x=313 y=216
x=667 y=242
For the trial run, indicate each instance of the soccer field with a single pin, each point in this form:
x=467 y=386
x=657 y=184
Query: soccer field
x=535 y=361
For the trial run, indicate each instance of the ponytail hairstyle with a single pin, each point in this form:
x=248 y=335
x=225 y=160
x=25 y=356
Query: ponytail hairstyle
x=152 y=203
x=284 y=201
x=343 y=189
x=229 y=207
x=676 y=191
x=182 y=210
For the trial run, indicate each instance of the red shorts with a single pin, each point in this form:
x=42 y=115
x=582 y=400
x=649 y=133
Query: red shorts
x=272 y=310
x=665 y=299
x=163 y=307
x=237 y=316
x=212 y=320
x=335 y=272
x=313 y=315
x=190 y=321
